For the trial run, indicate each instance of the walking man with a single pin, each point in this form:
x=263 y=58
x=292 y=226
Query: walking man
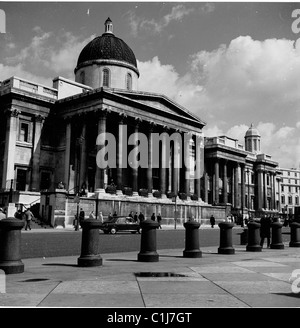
x=28 y=218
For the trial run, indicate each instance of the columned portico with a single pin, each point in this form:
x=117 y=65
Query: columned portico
x=150 y=160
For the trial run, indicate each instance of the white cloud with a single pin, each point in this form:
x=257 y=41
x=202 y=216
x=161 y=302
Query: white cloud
x=177 y=13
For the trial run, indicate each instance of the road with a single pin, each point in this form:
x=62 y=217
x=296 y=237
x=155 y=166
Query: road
x=68 y=243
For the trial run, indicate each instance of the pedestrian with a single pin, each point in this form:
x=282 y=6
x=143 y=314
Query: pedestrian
x=153 y=217
x=159 y=220
x=212 y=221
x=2 y=214
x=92 y=215
x=81 y=216
x=130 y=215
x=101 y=217
x=28 y=218
x=265 y=230
x=115 y=214
x=135 y=217
x=109 y=216
x=141 y=217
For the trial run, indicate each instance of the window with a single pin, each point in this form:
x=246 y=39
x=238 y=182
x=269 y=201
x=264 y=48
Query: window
x=24 y=132
x=296 y=200
x=296 y=181
x=106 y=77
x=282 y=188
x=21 y=179
x=282 y=199
x=268 y=180
x=288 y=172
x=295 y=174
x=290 y=189
x=82 y=77
x=129 y=82
x=290 y=200
x=45 y=180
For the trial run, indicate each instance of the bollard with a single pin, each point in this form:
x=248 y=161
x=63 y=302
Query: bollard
x=253 y=237
x=295 y=234
x=148 y=242
x=90 y=256
x=226 y=238
x=10 y=246
x=192 y=240
x=276 y=242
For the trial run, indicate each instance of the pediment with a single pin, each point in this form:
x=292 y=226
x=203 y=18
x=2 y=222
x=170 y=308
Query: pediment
x=159 y=102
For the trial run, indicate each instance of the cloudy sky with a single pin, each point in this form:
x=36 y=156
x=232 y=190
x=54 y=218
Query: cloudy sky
x=232 y=64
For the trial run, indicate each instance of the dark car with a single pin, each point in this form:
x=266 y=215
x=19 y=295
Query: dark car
x=120 y=223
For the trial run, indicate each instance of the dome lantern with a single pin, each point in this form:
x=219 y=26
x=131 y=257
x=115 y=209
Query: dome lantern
x=252 y=140
x=108 y=26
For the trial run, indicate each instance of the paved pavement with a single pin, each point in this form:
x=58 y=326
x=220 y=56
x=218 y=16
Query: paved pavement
x=242 y=280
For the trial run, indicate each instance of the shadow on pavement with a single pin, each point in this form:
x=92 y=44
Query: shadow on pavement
x=61 y=264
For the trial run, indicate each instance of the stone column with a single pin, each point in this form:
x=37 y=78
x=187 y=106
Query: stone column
x=187 y=164
x=150 y=160
x=216 y=191
x=121 y=154
x=135 y=168
x=243 y=186
x=163 y=167
x=198 y=167
x=274 y=191
x=99 y=176
x=10 y=147
x=67 y=153
x=83 y=158
x=265 y=191
x=260 y=195
x=225 y=183
x=176 y=164
x=236 y=186
x=36 y=152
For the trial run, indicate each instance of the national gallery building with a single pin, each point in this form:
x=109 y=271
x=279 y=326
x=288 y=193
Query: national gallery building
x=82 y=143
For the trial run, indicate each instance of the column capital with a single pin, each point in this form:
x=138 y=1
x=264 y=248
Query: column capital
x=39 y=118
x=137 y=121
x=13 y=112
x=122 y=117
x=152 y=125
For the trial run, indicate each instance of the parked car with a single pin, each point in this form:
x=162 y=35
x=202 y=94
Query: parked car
x=120 y=223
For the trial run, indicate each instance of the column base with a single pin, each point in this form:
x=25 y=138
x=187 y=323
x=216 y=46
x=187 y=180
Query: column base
x=228 y=250
x=253 y=248
x=294 y=244
x=150 y=195
x=277 y=246
x=135 y=193
x=195 y=253
x=148 y=257
x=163 y=196
x=119 y=193
x=10 y=267
x=89 y=261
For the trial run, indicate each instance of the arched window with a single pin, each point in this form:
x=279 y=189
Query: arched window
x=106 y=77
x=82 y=77
x=129 y=81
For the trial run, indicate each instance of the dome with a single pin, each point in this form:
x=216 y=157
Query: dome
x=252 y=132
x=107 y=47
